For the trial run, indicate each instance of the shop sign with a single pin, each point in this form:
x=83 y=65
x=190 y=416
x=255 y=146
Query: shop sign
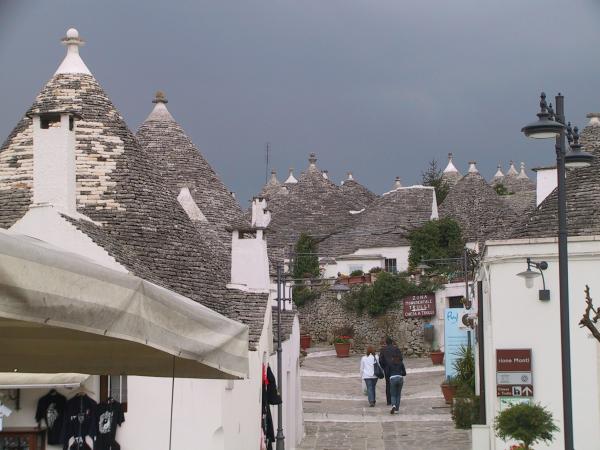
x=513 y=360
x=419 y=305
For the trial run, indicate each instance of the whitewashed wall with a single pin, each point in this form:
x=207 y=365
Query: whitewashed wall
x=515 y=318
x=344 y=265
x=293 y=422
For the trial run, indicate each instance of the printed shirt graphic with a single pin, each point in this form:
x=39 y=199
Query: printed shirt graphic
x=4 y=411
x=80 y=420
x=50 y=409
x=109 y=417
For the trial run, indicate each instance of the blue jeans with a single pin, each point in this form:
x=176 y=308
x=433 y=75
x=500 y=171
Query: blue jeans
x=396 y=384
x=371 y=382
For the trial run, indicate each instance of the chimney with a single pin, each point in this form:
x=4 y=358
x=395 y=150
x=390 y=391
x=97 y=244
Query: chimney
x=54 y=160
x=261 y=216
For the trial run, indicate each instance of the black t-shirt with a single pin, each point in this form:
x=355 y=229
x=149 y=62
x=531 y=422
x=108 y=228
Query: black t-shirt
x=51 y=408
x=80 y=421
x=109 y=415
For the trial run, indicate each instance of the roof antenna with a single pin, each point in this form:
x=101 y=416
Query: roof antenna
x=267 y=150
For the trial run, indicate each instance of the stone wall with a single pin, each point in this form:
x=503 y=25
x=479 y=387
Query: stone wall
x=320 y=318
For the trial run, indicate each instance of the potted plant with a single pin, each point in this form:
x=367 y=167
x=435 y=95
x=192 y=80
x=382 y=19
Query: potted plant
x=526 y=423
x=449 y=387
x=436 y=355
x=342 y=346
x=305 y=341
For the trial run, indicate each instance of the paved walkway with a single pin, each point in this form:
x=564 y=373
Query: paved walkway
x=337 y=415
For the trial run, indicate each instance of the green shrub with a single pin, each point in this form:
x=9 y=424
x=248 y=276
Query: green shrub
x=306 y=260
x=302 y=294
x=436 y=239
x=526 y=423
x=501 y=189
x=356 y=273
x=375 y=270
x=384 y=293
x=464 y=365
x=465 y=409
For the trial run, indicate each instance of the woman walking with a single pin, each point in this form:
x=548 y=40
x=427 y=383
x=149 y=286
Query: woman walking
x=396 y=372
x=367 y=372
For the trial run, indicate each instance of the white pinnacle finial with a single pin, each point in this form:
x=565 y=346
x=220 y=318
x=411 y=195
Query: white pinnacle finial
x=312 y=161
x=499 y=173
x=291 y=179
x=450 y=167
x=273 y=181
x=594 y=119
x=472 y=167
x=522 y=173
x=397 y=183
x=160 y=111
x=511 y=170
x=72 y=62
x=350 y=177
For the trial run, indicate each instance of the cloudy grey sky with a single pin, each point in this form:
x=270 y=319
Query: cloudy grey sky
x=378 y=87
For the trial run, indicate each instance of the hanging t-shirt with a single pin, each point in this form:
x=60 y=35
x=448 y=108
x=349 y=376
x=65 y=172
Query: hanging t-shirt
x=109 y=415
x=51 y=408
x=80 y=421
x=4 y=411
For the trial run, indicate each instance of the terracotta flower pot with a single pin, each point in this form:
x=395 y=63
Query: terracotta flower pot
x=342 y=350
x=305 y=341
x=448 y=391
x=437 y=357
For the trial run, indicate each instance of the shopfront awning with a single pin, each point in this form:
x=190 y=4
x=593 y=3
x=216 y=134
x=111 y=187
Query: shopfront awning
x=16 y=380
x=62 y=313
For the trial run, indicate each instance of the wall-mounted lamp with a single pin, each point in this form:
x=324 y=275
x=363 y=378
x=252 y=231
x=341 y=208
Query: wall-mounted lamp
x=423 y=267
x=529 y=275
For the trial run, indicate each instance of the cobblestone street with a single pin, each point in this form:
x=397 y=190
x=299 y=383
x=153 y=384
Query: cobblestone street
x=337 y=415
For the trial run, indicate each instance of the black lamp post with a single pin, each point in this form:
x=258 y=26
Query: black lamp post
x=279 y=438
x=551 y=125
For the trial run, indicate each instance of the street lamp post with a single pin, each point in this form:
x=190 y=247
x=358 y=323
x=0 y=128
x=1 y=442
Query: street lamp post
x=551 y=125
x=279 y=439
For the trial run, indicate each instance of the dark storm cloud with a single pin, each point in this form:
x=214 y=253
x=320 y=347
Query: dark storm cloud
x=376 y=87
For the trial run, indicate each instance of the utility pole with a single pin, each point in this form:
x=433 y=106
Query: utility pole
x=279 y=439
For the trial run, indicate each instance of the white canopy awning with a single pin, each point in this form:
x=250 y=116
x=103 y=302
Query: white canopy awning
x=62 y=313
x=17 y=380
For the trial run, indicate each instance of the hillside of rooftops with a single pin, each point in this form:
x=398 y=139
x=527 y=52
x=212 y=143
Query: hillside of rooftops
x=506 y=180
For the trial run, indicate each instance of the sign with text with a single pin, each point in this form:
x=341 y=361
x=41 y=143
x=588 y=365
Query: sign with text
x=455 y=338
x=510 y=390
x=513 y=373
x=513 y=360
x=419 y=305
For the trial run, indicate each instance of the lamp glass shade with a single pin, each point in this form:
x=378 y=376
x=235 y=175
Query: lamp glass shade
x=576 y=158
x=529 y=275
x=542 y=129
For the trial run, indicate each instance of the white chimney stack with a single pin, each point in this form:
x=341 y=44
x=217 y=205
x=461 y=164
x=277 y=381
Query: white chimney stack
x=54 y=160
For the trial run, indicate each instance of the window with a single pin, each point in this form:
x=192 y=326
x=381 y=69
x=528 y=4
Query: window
x=455 y=302
x=355 y=267
x=390 y=265
x=114 y=386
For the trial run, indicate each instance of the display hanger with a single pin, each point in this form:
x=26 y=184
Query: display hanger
x=82 y=390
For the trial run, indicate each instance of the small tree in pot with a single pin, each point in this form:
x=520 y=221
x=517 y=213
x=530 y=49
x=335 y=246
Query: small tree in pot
x=526 y=423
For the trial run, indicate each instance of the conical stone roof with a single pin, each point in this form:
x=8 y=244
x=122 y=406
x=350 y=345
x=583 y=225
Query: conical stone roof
x=583 y=197
x=386 y=222
x=517 y=181
x=357 y=194
x=136 y=218
x=314 y=205
x=182 y=165
x=451 y=175
x=481 y=213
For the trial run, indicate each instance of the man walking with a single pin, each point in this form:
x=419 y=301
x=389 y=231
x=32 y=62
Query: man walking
x=386 y=356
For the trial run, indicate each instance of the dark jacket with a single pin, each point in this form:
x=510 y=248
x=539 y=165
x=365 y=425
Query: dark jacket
x=395 y=368
x=387 y=354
